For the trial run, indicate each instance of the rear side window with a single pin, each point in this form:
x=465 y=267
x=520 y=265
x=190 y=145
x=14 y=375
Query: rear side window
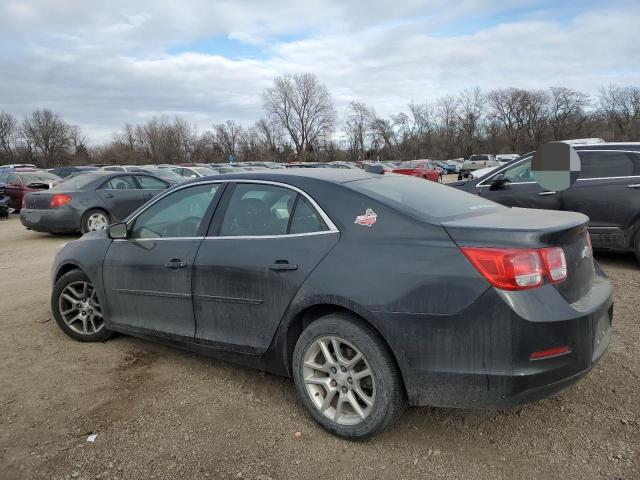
x=596 y=164
x=256 y=210
x=150 y=183
x=421 y=198
x=305 y=219
x=120 y=183
x=519 y=173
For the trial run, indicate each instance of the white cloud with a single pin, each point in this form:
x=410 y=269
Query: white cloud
x=104 y=65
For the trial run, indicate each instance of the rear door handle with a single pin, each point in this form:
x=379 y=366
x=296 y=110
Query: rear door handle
x=283 y=265
x=542 y=194
x=175 y=263
x=634 y=185
x=109 y=195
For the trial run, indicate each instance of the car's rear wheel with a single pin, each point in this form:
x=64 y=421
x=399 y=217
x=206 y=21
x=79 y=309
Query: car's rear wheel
x=636 y=246
x=95 y=219
x=76 y=308
x=346 y=377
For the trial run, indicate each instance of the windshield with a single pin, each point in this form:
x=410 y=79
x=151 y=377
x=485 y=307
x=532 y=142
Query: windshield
x=166 y=174
x=479 y=157
x=420 y=198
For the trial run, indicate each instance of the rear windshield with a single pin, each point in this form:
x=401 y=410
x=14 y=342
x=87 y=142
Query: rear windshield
x=411 y=164
x=479 y=157
x=421 y=198
x=38 y=177
x=77 y=182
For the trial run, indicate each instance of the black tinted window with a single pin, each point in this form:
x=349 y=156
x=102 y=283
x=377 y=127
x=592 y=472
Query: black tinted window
x=179 y=214
x=608 y=164
x=258 y=210
x=305 y=218
x=421 y=198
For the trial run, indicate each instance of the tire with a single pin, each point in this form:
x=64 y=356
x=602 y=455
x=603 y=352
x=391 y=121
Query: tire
x=636 y=245
x=440 y=178
x=83 y=320
x=383 y=388
x=94 y=215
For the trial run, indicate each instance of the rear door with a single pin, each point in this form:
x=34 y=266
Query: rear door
x=120 y=196
x=15 y=191
x=608 y=192
x=518 y=189
x=265 y=240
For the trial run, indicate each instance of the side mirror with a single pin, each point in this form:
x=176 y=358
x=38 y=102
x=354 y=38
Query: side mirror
x=499 y=182
x=117 y=230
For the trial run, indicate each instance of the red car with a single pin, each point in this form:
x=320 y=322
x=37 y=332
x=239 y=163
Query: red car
x=22 y=181
x=420 y=168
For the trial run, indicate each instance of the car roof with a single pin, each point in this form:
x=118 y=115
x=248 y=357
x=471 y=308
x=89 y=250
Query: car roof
x=293 y=175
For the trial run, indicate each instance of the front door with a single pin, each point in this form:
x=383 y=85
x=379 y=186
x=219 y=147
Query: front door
x=253 y=262
x=147 y=277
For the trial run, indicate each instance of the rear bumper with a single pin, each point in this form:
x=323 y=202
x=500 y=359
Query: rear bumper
x=480 y=358
x=58 y=220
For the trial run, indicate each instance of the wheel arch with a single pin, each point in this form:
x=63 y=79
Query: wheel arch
x=309 y=314
x=64 y=269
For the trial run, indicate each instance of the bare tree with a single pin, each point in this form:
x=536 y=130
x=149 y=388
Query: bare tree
x=621 y=106
x=470 y=111
x=228 y=136
x=508 y=108
x=566 y=111
x=302 y=106
x=357 y=128
x=447 y=115
x=48 y=133
x=8 y=135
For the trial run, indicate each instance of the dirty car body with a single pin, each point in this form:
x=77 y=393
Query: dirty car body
x=374 y=252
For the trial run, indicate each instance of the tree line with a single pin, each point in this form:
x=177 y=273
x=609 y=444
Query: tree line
x=301 y=123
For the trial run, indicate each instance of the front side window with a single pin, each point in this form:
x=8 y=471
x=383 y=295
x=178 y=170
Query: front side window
x=120 y=183
x=256 y=210
x=519 y=173
x=179 y=214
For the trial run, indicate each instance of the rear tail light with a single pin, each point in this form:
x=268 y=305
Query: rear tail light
x=58 y=200
x=518 y=268
x=555 y=263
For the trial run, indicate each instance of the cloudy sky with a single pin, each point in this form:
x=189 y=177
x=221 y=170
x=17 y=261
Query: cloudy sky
x=102 y=64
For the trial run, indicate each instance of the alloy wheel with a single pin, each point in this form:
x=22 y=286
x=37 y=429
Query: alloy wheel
x=80 y=308
x=97 y=221
x=339 y=380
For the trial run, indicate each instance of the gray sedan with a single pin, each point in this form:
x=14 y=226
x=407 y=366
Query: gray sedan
x=88 y=202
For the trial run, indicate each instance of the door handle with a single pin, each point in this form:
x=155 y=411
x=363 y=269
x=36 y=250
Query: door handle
x=283 y=265
x=109 y=195
x=148 y=195
x=175 y=263
x=634 y=185
x=542 y=194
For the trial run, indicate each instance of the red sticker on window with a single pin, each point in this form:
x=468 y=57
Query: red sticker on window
x=368 y=219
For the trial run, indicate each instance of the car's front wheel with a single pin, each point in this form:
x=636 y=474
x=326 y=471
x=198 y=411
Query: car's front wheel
x=76 y=308
x=347 y=378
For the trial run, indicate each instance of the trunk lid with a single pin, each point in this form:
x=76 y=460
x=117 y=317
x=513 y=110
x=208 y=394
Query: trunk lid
x=38 y=200
x=532 y=228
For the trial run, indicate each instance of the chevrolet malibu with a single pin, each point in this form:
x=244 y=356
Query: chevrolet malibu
x=370 y=290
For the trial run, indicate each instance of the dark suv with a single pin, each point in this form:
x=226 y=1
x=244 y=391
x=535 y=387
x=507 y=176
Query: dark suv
x=607 y=191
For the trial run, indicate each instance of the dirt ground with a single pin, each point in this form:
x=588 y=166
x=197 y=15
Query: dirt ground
x=163 y=413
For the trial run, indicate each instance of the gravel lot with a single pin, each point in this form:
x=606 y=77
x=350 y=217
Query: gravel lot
x=163 y=413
